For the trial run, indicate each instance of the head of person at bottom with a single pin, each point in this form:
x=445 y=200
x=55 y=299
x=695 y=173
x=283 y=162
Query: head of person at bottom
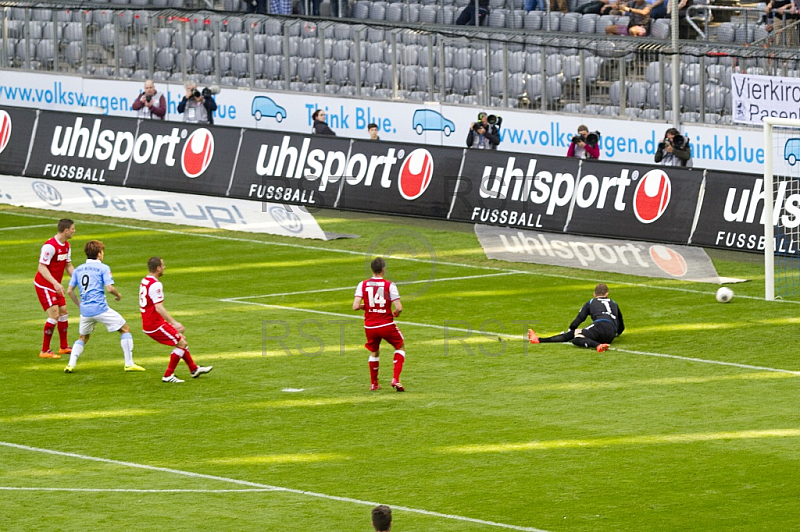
x=382 y=518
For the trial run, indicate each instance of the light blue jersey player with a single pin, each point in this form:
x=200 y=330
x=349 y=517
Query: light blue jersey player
x=93 y=278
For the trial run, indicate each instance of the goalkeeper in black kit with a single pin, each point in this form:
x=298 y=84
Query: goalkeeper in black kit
x=606 y=324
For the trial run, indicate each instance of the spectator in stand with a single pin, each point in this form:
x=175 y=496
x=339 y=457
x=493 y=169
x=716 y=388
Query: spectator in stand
x=280 y=7
x=584 y=145
x=467 y=16
x=658 y=9
x=373 y=132
x=535 y=5
x=592 y=7
x=256 y=6
x=150 y=103
x=674 y=150
x=784 y=13
x=684 y=29
x=638 y=12
x=320 y=126
x=197 y=107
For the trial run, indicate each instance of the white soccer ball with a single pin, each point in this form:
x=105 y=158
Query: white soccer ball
x=724 y=294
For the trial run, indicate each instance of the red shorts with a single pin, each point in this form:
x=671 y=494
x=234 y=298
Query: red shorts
x=166 y=334
x=48 y=297
x=390 y=333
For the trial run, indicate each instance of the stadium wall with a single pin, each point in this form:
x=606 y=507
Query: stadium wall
x=634 y=141
x=558 y=194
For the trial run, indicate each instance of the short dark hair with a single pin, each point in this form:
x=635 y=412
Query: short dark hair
x=93 y=249
x=370 y=126
x=382 y=518
x=153 y=263
x=64 y=224
x=316 y=113
x=601 y=289
x=378 y=264
x=672 y=131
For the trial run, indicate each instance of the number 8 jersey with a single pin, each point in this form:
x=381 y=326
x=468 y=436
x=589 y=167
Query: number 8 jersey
x=378 y=295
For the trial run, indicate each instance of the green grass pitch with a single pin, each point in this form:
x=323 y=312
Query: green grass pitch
x=492 y=434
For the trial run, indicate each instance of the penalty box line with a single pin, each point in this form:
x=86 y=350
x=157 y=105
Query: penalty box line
x=399 y=283
x=514 y=336
x=266 y=487
x=410 y=259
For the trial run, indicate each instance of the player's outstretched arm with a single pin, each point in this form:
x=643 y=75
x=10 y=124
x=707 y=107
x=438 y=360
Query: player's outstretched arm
x=358 y=303
x=72 y=296
x=114 y=292
x=581 y=317
x=398 y=308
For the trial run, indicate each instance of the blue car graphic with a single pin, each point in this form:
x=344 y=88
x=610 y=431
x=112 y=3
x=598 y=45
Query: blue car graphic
x=266 y=107
x=430 y=120
x=791 y=151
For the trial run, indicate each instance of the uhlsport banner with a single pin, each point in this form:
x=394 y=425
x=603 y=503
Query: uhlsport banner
x=557 y=194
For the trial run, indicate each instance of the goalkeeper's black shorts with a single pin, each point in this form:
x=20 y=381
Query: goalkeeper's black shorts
x=602 y=331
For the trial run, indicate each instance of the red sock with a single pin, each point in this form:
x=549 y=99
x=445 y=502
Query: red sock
x=48 y=335
x=373 y=370
x=189 y=362
x=173 y=363
x=62 y=334
x=399 y=358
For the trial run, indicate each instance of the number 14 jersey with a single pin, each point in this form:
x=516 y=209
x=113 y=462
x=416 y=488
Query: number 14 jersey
x=377 y=295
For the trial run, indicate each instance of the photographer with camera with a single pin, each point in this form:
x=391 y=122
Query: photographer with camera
x=584 y=145
x=150 y=103
x=674 y=150
x=198 y=107
x=489 y=136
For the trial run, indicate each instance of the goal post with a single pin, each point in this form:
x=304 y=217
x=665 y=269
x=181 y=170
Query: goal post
x=781 y=166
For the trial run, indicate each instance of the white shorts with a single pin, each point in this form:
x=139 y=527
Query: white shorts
x=110 y=318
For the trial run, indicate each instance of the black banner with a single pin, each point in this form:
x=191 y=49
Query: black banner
x=526 y=191
x=655 y=203
x=407 y=179
x=183 y=158
x=16 y=129
x=732 y=213
x=82 y=148
x=289 y=168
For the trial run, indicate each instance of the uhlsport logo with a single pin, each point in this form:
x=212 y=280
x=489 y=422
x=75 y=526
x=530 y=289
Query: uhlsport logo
x=47 y=193
x=198 y=150
x=652 y=195
x=415 y=174
x=5 y=129
x=669 y=260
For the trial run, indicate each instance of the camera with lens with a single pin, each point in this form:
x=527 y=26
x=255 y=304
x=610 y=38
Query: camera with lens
x=578 y=138
x=148 y=98
x=495 y=120
x=196 y=94
x=678 y=142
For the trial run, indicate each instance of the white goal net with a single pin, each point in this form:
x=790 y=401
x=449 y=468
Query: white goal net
x=781 y=208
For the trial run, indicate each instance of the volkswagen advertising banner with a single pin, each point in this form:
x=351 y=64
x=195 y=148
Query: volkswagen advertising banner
x=16 y=130
x=515 y=190
x=633 y=201
x=181 y=158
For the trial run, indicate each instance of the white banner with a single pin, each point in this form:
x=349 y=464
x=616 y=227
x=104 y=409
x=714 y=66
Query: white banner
x=718 y=147
x=757 y=97
x=165 y=207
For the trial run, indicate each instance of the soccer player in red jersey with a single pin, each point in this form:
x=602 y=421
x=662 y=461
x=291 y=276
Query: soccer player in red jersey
x=375 y=297
x=159 y=325
x=54 y=259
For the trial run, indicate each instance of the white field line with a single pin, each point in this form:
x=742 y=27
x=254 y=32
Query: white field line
x=129 y=490
x=352 y=288
x=25 y=227
x=426 y=261
x=516 y=336
x=267 y=487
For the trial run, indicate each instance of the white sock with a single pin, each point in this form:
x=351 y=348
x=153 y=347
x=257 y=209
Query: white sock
x=77 y=349
x=126 y=341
